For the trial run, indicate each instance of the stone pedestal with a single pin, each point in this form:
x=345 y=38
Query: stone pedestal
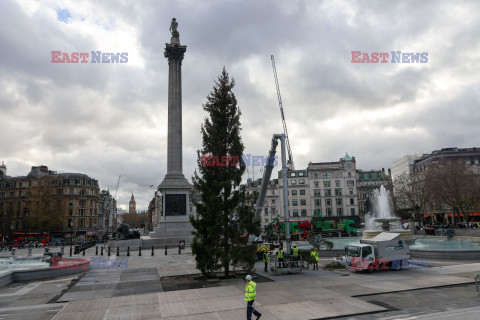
x=170 y=232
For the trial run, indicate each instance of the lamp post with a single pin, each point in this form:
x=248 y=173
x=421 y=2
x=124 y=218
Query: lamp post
x=12 y=227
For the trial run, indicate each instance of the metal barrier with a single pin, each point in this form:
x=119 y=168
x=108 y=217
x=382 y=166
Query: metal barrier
x=288 y=265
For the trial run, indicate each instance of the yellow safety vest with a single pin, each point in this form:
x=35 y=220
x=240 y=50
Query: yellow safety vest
x=265 y=257
x=295 y=252
x=314 y=254
x=280 y=254
x=250 y=291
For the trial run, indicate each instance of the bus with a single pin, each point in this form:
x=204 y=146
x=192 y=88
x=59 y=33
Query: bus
x=40 y=237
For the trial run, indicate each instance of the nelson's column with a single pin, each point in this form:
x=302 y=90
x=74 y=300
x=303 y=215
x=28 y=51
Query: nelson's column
x=174 y=225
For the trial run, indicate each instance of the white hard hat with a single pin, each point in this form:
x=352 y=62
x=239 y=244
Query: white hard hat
x=248 y=277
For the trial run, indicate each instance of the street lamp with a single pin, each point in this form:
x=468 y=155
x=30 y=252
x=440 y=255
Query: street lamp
x=12 y=227
x=71 y=232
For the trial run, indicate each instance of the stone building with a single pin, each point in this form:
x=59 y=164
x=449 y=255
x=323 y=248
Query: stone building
x=68 y=200
x=329 y=187
x=107 y=214
x=367 y=182
x=470 y=156
x=272 y=205
x=333 y=188
x=298 y=194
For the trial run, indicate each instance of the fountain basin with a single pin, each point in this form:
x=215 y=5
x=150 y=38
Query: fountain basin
x=40 y=270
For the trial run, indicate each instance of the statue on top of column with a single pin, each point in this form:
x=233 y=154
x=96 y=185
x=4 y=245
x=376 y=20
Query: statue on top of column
x=173 y=28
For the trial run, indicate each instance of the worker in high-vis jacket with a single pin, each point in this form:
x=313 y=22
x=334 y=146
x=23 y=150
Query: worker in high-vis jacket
x=295 y=255
x=265 y=259
x=280 y=257
x=314 y=255
x=250 y=295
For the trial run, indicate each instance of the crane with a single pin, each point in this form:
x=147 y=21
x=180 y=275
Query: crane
x=269 y=165
x=285 y=131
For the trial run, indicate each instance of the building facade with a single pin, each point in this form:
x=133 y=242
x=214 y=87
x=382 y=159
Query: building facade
x=63 y=203
x=369 y=181
x=328 y=187
x=298 y=194
x=107 y=214
x=333 y=187
x=470 y=156
x=272 y=203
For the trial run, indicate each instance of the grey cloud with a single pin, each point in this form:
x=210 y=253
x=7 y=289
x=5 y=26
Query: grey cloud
x=110 y=120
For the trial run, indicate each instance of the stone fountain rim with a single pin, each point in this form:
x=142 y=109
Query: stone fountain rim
x=383 y=220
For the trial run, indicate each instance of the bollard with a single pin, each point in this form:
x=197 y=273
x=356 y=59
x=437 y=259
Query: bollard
x=29 y=252
x=96 y=250
x=179 y=248
x=62 y=250
x=70 y=251
x=109 y=251
x=165 y=250
x=139 y=251
x=13 y=251
x=152 y=250
x=128 y=251
x=101 y=251
x=118 y=251
x=83 y=253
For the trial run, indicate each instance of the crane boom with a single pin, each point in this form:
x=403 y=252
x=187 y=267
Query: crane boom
x=118 y=183
x=266 y=179
x=285 y=131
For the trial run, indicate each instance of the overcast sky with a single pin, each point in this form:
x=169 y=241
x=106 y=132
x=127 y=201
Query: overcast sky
x=107 y=120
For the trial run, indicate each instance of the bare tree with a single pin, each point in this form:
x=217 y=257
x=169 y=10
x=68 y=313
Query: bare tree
x=455 y=186
x=413 y=192
x=45 y=209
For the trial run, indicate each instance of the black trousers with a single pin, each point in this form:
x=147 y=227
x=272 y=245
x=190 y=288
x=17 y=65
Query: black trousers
x=266 y=266
x=251 y=309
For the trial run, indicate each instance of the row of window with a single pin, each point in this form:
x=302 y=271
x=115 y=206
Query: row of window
x=329 y=175
x=338 y=202
x=303 y=202
x=328 y=184
x=296 y=174
x=328 y=192
x=294 y=182
x=82 y=223
x=328 y=212
x=294 y=192
x=70 y=191
x=83 y=212
x=53 y=182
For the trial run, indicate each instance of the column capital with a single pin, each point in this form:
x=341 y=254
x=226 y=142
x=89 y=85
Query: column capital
x=174 y=52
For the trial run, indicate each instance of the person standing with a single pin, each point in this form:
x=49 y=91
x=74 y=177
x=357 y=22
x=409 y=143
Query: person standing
x=280 y=257
x=314 y=255
x=265 y=259
x=250 y=296
x=295 y=255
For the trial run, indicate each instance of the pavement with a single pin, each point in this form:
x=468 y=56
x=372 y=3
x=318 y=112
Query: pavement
x=130 y=288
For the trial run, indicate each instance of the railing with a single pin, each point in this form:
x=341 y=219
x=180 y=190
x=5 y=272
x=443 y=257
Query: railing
x=289 y=264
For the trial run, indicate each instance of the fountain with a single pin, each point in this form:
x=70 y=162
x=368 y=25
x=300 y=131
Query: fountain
x=382 y=213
